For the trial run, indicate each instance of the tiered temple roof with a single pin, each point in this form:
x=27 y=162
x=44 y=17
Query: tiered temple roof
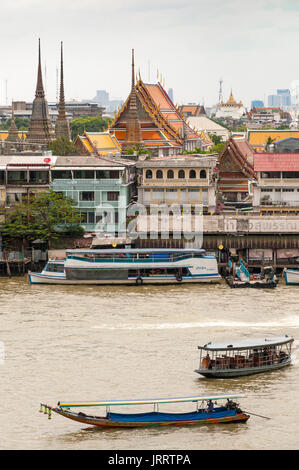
x=161 y=123
x=236 y=166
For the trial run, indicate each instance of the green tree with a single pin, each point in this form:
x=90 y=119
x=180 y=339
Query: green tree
x=90 y=124
x=46 y=216
x=21 y=123
x=62 y=146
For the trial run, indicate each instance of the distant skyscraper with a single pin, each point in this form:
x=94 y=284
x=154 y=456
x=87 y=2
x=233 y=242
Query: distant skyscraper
x=281 y=99
x=170 y=94
x=102 y=97
x=257 y=104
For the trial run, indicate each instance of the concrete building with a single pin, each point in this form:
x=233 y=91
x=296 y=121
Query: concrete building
x=208 y=126
x=178 y=180
x=101 y=188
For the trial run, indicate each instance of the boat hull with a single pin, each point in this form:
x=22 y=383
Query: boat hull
x=235 y=284
x=231 y=373
x=40 y=278
x=204 y=418
x=291 y=277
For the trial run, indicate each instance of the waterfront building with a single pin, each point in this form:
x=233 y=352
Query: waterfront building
x=235 y=169
x=148 y=119
x=231 y=109
x=41 y=132
x=102 y=189
x=23 y=175
x=62 y=126
x=277 y=185
x=258 y=139
x=177 y=180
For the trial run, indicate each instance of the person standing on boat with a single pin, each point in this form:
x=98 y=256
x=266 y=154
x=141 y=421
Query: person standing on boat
x=210 y=406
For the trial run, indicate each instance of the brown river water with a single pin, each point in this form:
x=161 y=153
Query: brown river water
x=88 y=343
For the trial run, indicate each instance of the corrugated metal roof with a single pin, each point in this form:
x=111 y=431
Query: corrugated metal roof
x=276 y=162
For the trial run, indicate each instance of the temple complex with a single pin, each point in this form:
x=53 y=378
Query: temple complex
x=149 y=119
x=231 y=109
x=41 y=132
x=62 y=126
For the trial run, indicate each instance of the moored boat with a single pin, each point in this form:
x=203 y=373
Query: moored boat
x=129 y=266
x=245 y=357
x=207 y=412
x=291 y=276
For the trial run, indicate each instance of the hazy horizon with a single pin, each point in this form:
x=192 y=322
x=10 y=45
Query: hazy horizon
x=250 y=45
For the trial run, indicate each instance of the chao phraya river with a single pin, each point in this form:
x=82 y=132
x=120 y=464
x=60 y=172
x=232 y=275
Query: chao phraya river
x=91 y=343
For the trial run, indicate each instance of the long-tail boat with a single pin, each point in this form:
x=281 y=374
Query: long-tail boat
x=207 y=412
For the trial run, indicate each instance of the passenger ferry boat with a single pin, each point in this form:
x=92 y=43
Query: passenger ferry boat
x=129 y=266
x=238 y=358
x=205 y=413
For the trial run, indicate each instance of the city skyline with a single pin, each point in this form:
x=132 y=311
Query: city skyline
x=196 y=43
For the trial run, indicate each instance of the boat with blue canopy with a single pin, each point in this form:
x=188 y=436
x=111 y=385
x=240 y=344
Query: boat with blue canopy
x=207 y=412
x=130 y=266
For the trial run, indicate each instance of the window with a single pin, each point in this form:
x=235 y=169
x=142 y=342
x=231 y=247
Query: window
x=61 y=175
x=148 y=174
x=181 y=174
x=287 y=190
x=203 y=174
x=159 y=174
x=55 y=268
x=192 y=174
x=112 y=196
x=87 y=196
x=170 y=174
x=84 y=174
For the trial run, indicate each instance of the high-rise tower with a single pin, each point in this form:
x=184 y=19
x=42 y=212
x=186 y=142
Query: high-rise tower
x=62 y=127
x=41 y=132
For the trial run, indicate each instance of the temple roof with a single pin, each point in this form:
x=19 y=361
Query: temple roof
x=164 y=125
x=231 y=101
x=242 y=154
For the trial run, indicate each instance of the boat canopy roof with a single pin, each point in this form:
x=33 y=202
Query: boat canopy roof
x=137 y=250
x=247 y=343
x=149 y=401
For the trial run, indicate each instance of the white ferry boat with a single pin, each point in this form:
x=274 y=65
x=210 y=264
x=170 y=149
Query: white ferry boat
x=129 y=266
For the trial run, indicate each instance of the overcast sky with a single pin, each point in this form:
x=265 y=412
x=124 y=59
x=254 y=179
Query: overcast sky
x=252 y=45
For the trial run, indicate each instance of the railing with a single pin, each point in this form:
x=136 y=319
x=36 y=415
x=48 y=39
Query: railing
x=132 y=259
x=240 y=362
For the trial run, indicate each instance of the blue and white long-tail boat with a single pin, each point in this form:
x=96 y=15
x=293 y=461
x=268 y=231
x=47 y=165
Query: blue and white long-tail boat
x=206 y=412
x=129 y=266
x=291 y=276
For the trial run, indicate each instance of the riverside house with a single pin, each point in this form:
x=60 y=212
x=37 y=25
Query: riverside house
x=102 y=189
